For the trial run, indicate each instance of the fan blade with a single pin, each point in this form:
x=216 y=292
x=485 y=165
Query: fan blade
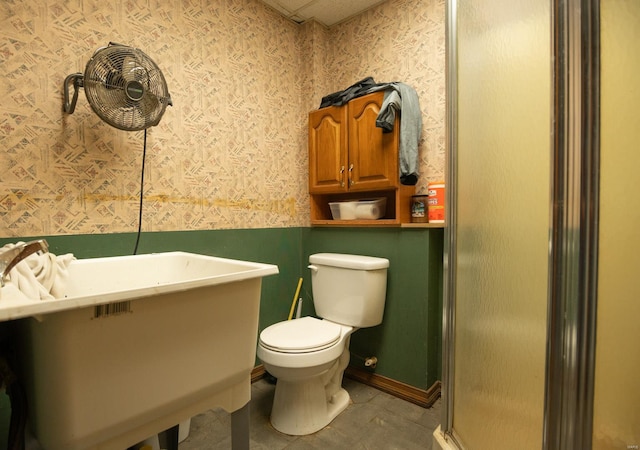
x=112 y=63
x=131 y=70
x=150 y=107
x=107 y=96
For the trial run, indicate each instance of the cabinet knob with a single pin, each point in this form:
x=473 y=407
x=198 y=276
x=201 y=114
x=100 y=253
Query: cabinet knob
x=351 y=182
x=341 y=176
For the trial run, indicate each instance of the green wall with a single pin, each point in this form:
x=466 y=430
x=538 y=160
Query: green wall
x=407 y=343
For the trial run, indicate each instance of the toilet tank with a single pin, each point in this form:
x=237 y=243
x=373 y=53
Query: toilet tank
x=349 y=289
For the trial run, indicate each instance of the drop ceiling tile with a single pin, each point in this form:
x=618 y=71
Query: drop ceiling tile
x=327 y=12
x=331 y=12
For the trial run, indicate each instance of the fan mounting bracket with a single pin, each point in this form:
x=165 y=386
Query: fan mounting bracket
x=77 y=79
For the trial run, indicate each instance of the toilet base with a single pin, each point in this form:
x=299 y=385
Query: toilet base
x=303 y=408
x=308 y=398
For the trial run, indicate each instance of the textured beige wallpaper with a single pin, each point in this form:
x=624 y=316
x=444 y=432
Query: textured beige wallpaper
x=232 y=151
x=399 y=41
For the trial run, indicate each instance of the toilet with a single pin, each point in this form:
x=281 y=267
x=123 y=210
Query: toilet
x=308 y=356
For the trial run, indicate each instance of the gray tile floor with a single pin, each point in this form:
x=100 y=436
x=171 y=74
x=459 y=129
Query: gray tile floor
x=374 y=420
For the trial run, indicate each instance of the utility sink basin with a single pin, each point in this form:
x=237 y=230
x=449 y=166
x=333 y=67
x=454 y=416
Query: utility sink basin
x=137 y=345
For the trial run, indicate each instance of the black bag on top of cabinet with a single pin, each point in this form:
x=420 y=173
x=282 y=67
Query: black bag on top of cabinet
x=342 y=97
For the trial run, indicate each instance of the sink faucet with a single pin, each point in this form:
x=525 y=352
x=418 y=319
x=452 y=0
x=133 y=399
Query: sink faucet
x=12 y=256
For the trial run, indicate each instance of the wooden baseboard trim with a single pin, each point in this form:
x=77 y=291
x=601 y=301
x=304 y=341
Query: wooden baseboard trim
x=257 y=373
x=421 y=397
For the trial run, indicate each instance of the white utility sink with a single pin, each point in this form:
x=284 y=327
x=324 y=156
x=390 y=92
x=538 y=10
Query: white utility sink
x=137 y=345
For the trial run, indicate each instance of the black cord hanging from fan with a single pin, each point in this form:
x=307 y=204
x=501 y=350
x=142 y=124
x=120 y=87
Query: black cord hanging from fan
x=144 y=157
x=127 y=90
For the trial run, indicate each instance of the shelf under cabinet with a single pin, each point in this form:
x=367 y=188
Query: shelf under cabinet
x=374 y=223
x=423 y=225
x=397 y=207
x=356 y=223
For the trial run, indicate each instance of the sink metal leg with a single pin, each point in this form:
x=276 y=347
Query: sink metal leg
x=171 y=436
x=240 y=428
x=239 y=431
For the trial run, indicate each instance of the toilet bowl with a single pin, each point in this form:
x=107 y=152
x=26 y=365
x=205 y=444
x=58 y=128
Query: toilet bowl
x=308 y=357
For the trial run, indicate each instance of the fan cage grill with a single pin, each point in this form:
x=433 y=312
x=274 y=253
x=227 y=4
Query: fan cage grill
x=125 y=88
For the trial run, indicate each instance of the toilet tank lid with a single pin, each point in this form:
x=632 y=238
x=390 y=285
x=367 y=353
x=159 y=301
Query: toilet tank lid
x=358 y=262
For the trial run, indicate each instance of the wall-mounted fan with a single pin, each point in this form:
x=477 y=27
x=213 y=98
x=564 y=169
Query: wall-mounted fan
x=123 y=86
x=127 y=90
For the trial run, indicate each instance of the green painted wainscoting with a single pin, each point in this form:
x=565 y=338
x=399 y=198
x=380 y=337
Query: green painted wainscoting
x=279 y=246
x=407 y=343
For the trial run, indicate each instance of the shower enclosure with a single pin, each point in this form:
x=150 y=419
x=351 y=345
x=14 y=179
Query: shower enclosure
x=542 y=301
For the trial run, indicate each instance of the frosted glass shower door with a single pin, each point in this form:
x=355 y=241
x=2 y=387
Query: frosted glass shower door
x=502 y=232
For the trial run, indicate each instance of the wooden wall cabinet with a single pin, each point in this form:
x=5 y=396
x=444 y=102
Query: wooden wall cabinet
x=352 y=159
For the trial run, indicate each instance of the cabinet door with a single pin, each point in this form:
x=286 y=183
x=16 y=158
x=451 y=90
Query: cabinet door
x=373 y=155
x=328 y=150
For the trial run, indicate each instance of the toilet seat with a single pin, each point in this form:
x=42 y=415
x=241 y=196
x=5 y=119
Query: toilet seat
x=304 y=335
